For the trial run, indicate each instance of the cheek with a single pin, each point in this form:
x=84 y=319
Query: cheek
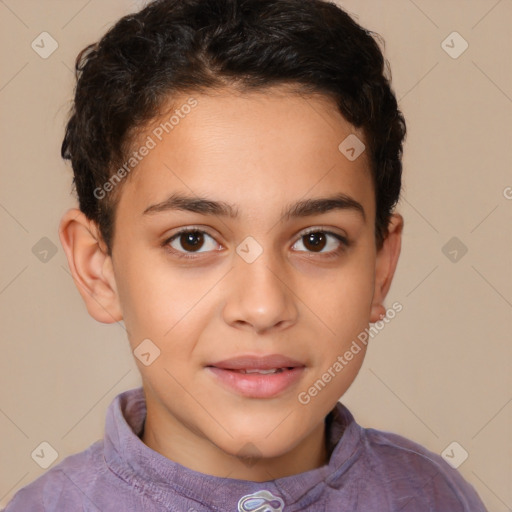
x=160 y=304
x=344 y=298
x=147 y=308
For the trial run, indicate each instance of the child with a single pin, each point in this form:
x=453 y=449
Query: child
x=237 y=164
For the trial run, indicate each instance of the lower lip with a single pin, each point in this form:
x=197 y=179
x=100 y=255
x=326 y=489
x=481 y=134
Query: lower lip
x=258 y=385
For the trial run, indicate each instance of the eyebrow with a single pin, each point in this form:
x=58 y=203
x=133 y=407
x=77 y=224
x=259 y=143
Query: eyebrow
x=304 y=208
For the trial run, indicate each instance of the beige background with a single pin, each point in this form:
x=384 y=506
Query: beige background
x=439 y=372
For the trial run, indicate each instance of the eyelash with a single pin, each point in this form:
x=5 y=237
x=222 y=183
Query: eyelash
x=190 y=255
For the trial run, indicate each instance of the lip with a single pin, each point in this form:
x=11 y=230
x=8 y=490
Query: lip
x=248 y=361
x=256 y=385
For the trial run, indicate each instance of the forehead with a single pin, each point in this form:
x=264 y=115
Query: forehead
x=261 y=147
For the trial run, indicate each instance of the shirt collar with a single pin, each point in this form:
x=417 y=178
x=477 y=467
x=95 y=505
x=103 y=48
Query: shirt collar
x=136 y=463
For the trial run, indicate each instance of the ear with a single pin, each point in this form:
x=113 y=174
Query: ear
x=90 y=266
x=385 y=265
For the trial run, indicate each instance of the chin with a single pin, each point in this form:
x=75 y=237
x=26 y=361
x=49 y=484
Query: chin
x=257 y=445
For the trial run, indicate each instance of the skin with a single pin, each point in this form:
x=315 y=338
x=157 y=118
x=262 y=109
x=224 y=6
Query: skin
x=259 y=152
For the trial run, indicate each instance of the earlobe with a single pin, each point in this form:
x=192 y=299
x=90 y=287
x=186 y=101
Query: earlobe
x=386 y=262
x=90 y=266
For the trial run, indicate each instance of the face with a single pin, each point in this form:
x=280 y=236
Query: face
x=278 y=259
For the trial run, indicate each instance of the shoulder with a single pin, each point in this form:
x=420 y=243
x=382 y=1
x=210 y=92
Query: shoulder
x=416 y=475
x=63 y=485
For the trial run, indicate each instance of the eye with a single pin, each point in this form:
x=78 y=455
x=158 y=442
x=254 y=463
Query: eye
x=191 y=240
x=317 y=240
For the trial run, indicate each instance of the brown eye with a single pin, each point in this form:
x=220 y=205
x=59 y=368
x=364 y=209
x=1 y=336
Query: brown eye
x=315 y=241
x=192 y=240
x=189 y=241
x=318 y=240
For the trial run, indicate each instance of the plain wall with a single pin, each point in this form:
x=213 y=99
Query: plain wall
x=438 y=373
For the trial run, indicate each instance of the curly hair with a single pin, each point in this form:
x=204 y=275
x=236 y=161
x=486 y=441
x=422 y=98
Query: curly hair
x=177 y=46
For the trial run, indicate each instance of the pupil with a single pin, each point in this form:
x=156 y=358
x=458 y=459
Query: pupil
x=188 y=239
x=316 y=244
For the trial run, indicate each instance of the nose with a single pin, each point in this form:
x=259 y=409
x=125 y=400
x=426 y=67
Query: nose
x=259 y=296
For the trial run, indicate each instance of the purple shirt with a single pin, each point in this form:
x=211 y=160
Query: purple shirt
x=368 y=470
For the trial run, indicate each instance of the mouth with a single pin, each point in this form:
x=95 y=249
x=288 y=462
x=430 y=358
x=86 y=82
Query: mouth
x=258 y=376
x=260 y=371
x=249 y=362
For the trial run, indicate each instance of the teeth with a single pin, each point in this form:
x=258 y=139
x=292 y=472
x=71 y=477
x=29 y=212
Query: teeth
x=272 y=370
